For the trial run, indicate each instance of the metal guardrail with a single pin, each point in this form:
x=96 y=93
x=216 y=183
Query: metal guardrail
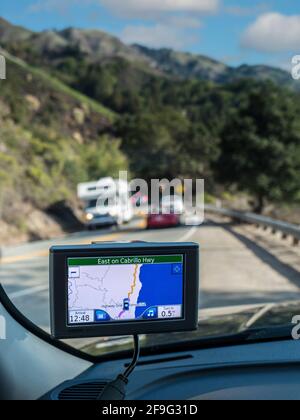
x=287 y=229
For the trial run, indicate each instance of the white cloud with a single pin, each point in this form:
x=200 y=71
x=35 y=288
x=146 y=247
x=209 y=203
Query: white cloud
x=162 y=23
x=140 y=8
x=174 y=23
x=159 y=36
x=144 y=9
x=273 y=32
x=135 y=7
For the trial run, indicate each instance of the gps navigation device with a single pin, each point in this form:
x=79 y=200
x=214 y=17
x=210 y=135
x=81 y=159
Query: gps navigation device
x=108 y=289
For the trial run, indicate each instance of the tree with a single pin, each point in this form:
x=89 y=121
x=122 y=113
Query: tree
x=148 y=145
x=104 y=158
x=166 y=144
x=261 y=144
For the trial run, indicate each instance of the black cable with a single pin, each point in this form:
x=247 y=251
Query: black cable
x=135 y=359
x=116 y=390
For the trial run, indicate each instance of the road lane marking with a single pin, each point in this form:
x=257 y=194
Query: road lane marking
x=27 y=292
x=106 y=238
x=45 y=252
x=256 y=317
x=189 y=234
x=142 y=224
x=25 y=257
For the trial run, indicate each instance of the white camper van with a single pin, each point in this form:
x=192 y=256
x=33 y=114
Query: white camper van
x=106 y=202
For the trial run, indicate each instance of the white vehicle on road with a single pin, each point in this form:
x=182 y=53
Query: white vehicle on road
x=106 y=202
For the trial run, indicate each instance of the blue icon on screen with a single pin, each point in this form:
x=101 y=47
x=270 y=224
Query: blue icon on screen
x=126 y=305
x=177 y=269
x=101 y=316
x=151 y=313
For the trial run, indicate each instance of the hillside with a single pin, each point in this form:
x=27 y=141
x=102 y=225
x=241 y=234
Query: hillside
x=186 y=65
x=79 y=104
x=52 y=48
x=12 y=33
x=50 y=138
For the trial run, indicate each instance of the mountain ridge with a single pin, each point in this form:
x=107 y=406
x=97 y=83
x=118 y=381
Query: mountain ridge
x=80 y=104
x=206 y=68
x=96 y=45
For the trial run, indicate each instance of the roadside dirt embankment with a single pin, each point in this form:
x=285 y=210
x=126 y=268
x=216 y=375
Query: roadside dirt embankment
x=27 y=224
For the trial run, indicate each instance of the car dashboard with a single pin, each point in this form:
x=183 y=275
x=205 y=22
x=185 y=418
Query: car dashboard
x=260 y=371
x=251 y=370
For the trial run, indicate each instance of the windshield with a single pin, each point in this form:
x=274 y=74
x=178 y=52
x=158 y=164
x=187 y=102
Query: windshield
x=190 y=110
x=92 y=204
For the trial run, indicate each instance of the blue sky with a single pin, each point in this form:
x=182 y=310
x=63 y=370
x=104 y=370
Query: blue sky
x=236 y=32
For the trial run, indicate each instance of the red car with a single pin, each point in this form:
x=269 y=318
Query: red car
x=155 y=221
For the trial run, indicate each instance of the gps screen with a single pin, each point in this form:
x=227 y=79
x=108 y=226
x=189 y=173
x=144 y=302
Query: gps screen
x=126 y=288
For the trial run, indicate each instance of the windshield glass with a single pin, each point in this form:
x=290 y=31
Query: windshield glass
x=190 y=112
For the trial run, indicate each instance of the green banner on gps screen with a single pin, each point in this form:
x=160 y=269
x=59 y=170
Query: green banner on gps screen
x=141 y=259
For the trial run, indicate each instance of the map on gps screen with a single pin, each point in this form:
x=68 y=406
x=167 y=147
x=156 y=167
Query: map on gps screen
x=127 y=288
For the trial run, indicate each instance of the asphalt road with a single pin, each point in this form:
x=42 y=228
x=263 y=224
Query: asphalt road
x=239 y=266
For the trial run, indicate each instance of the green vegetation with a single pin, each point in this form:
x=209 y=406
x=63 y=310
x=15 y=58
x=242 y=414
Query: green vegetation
x=50 y=139
x=72 y=116
x=59 y=86
x=261 y=144
x=243 y=136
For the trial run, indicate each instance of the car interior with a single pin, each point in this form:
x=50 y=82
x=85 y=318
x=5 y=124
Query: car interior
x=256 y=368
x=149 y=203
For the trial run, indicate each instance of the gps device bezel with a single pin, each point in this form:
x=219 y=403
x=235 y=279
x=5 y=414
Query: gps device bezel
x=59 y=255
